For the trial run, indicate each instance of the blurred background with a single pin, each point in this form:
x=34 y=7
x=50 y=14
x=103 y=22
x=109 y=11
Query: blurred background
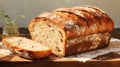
x=32 y=8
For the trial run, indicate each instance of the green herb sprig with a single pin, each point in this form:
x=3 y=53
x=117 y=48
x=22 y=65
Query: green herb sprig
x=10 y=28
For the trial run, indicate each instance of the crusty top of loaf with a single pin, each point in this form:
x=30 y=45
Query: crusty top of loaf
x=77 y=21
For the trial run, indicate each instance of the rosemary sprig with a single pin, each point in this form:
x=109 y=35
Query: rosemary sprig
x=10 y=28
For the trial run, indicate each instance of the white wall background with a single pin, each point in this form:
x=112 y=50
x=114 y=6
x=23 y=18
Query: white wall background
x=32 y=8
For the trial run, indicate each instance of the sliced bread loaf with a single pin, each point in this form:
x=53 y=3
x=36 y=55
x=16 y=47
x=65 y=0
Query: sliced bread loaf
x=26 y=48
x=72 y=30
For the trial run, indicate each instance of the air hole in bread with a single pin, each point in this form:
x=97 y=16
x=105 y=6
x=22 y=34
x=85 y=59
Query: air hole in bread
x=49 y=25
x=20 y=39
x=57 y=49
x=56 y=42
x=60 y=33
x=32 y=46
x=47 y=37
x=61 y=40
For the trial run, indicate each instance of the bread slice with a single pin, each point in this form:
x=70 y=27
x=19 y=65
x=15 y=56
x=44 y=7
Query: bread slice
x=26 y=48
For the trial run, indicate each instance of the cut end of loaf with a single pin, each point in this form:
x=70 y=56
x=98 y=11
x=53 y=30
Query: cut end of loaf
x=49 y=35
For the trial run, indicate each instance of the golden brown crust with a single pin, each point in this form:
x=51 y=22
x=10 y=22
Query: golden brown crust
x=94 y=17
x=105 y=18
x=87 y=43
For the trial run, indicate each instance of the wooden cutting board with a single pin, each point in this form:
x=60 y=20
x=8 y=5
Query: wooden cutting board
x=15 y=58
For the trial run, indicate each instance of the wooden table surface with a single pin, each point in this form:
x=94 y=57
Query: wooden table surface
x=113 y=59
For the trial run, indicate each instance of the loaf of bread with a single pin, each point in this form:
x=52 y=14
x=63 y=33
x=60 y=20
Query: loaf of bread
x=72 y=30
x=26 y=48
